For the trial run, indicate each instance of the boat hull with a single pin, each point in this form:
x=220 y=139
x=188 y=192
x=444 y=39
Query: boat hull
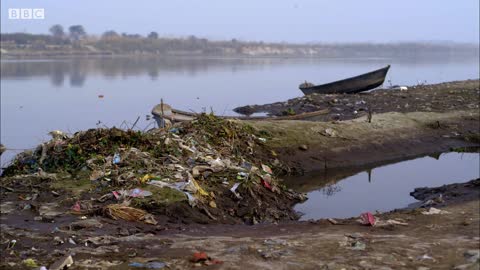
x=175 y=115
x=351 y=85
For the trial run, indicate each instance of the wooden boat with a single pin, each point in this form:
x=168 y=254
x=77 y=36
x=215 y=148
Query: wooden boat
x=164 y=111
x=351 y=85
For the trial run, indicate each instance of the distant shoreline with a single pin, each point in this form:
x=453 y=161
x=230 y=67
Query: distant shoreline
x=107 y=55
x=23 y=45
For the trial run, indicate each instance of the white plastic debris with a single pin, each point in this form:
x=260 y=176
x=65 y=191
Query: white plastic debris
x=234 y=190
x=435 y=211
x=330 y=132
x=62 y=263
x=217 y=165
x=116 y=158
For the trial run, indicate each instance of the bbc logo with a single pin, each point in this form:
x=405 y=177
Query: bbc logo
x=26 y=13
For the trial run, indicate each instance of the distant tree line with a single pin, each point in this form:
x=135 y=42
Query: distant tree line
x=123 y=43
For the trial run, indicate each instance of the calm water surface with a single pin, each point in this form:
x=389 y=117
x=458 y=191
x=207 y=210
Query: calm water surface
x=43 y=95
x=388 y=187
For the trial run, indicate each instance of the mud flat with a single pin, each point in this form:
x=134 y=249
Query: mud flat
x=313 y=146
x=414 y=240
x=110 y=197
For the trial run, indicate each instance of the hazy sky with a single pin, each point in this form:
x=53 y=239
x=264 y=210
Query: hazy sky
x=269 y=20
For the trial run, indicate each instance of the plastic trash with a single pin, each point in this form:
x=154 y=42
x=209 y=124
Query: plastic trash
x=139 y=193
x=57 y=134
x=161 y=184
x=11 y=244
x=174 y=130
x=116 y=158
x=330 y=132
x=234 y=190
x=266 y=169
x=390 y=222
x=146 y=177
x=191 y=200
x=267 y=185
x=367 y=219
x=76 y=207
x=247 y=166
x=193 y=187
x=202 y=257
x=426 y=257
x=199 y=257
x=242 y=175
x=62 y=263
x=212 y=204
x=30 y=263
x=333 y=221
x=148 y=265
x=435 y=211
x=117 y=195
x=133 y=193
x=217 y=165
x=234 y=187
x=58 y=240
x=357 y=245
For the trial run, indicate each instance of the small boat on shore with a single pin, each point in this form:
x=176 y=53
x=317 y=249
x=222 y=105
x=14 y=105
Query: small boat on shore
x=351 y=85
x=165 y=111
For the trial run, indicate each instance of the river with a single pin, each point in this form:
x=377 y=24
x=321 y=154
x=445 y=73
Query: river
x=38 y=96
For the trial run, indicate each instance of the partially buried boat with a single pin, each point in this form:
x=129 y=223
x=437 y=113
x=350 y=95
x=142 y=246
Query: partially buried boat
x=351 y=85
x=165 y=111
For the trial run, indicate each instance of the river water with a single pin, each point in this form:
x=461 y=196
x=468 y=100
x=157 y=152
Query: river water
x=38 y=96
x=387 y=187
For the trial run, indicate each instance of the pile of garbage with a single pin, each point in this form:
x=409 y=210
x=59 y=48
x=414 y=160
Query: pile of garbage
x=209 y=170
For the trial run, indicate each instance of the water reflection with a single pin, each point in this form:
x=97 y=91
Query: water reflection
x=79 y=69
x=331 y=189
x=357 y=193
x=120 y=67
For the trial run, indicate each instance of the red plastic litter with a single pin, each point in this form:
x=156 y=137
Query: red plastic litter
x=267 y=185
x=368 y=219
x=199 y=257
x=76 y=207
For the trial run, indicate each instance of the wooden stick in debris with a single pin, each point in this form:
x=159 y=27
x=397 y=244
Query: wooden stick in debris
x=134 y=124
x=370 y=115
x=161 y=106
x=44 y=154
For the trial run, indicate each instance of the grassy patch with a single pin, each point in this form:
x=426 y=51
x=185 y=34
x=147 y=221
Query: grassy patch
x=160 y=197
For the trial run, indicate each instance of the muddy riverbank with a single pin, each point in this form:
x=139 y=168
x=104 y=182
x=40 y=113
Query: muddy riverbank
x=442 y=97
x=110 y=198
x=402 y=239
x=422 y=120
x=316 y=146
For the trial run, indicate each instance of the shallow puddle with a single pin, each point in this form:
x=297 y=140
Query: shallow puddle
x=387 y=187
